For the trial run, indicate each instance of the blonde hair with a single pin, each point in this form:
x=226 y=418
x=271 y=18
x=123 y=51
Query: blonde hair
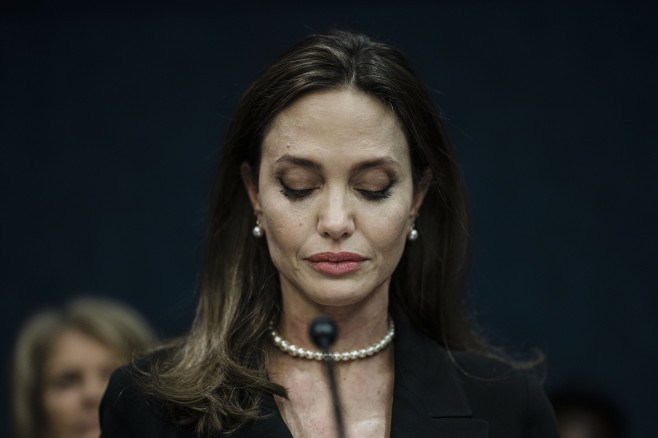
x=111 y=323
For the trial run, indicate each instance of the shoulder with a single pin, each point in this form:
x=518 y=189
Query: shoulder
x=126 y=411
x=508 y=396
x=472 y=387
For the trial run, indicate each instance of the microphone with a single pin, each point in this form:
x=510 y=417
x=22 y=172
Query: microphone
x=323 y=332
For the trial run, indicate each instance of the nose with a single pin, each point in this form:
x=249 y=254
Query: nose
x=336 y=218
x=93 y=391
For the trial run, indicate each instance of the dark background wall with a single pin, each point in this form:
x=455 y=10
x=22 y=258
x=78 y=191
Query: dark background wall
x=111 y=118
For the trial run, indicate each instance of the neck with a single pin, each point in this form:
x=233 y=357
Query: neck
x=359 y=325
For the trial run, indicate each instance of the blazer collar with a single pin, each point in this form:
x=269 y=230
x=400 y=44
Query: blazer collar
x=428 y=399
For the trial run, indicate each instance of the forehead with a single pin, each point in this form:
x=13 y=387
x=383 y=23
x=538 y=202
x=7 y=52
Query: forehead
x=73 y=346
x=346 y=121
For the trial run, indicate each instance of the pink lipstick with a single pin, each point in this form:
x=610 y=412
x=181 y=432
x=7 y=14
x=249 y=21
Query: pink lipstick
x=336 y=263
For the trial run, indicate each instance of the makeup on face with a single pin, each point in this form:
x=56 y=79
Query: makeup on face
x=336 y=263
x=300 y=177
x=335 y=197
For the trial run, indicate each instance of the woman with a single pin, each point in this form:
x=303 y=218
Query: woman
x=62 y=363
x=360 y=214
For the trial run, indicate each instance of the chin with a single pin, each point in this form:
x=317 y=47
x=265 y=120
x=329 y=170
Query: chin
x=320 y=291
x=92 y=434
x=341 y=297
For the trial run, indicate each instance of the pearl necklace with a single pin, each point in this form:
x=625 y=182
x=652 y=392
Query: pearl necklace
x=296 y=351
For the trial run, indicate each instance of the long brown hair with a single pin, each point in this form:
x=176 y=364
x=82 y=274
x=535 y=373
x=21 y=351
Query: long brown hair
x=215 y=377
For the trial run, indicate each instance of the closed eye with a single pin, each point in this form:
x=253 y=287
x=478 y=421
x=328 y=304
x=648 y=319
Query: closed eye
x=294 y=193
x=374 y=195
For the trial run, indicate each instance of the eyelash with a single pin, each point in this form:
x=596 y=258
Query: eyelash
x=294 y=194
x=371 y=195
x=375 y=195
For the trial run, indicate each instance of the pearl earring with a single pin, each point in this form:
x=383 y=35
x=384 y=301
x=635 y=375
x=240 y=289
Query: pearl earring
x=257 y=231
x=413 y=233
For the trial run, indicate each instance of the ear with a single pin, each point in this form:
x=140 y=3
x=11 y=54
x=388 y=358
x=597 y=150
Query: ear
x=420 y=190
x=251 y=185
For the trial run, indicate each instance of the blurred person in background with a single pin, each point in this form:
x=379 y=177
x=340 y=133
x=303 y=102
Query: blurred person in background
x=62 y=362
x=585 y=412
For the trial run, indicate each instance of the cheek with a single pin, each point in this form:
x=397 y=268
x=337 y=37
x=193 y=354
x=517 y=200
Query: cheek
x=392 y=219
x=285 y=230
x=387 y=233
x=60 y=407
x=391 y=230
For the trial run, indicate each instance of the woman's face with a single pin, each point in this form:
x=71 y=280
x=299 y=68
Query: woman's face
x=76 y=374
x=335 y=197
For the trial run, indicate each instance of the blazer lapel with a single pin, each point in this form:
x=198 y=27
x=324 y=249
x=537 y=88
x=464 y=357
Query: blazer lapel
x=270 y=426
x=429 y=400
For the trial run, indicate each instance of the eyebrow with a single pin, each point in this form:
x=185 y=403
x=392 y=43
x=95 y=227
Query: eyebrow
x=287 y=158
x=386 y=161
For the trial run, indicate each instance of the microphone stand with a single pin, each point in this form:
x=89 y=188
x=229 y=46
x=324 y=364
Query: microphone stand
x=323 y=332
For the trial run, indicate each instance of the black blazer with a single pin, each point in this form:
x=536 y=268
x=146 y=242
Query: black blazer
x=466 y=396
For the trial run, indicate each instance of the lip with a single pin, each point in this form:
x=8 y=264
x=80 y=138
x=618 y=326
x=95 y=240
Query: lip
x=336 y=263
x=89 y=425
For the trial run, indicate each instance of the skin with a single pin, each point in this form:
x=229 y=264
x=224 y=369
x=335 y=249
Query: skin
x=335 y=176
x=76 y=374
x=583 y=424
